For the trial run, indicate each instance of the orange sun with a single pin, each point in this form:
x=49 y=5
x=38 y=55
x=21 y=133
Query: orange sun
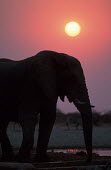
x=72 y=29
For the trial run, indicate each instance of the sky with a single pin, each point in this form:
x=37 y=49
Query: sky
x=29 y=26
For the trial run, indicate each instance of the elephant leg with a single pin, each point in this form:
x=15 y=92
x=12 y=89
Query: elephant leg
x=7 y=152
x=28 y=127
x=47 y=119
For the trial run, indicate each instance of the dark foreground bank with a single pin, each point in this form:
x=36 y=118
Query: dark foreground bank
x=62 y=161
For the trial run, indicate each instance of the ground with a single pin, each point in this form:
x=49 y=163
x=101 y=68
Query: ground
x=65 y=137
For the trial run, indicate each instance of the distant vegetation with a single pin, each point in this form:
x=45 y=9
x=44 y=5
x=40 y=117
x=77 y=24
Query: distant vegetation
x=74 y=119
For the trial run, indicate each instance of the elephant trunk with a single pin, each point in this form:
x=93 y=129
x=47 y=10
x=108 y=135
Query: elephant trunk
x=87 y=128
x=83 y=105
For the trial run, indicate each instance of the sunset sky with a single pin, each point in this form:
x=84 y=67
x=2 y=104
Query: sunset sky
x=28 y=26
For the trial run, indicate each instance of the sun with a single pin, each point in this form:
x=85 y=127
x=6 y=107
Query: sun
x=72 y=29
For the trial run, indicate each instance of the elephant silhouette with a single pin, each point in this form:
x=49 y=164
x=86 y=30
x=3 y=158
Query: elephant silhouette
x=33 y=85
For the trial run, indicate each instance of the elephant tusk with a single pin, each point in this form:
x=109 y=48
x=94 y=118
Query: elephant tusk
x=82 y=103
x=92 y=106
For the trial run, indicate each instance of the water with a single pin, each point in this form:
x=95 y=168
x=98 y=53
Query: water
x=101 y=152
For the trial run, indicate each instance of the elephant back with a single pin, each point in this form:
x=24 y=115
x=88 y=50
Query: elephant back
x=10 y=77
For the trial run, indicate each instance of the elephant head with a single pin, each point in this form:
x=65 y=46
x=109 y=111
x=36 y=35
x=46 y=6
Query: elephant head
x=71 y=83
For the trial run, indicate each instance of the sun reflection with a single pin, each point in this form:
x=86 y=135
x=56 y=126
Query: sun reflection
x=72 y=150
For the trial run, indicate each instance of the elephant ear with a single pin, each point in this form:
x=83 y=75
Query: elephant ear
x=69 y=98
x=65 y=64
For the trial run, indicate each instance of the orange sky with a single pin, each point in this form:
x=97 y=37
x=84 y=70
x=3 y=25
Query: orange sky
x=28 y=26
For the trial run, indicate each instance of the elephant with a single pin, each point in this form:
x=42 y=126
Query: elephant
x=32 y=86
